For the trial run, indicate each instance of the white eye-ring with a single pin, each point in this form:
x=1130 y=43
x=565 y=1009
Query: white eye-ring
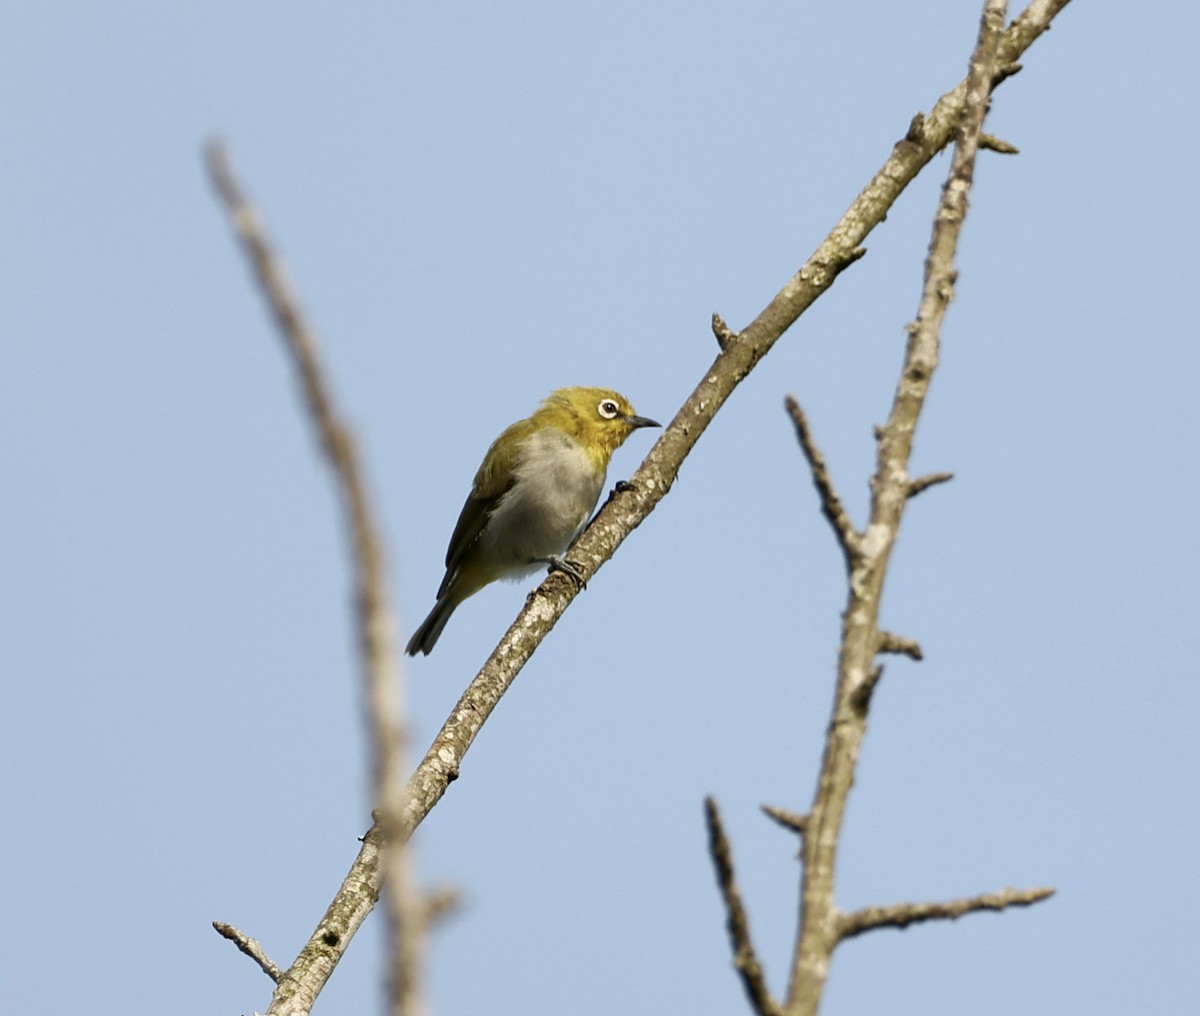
x=608 y=409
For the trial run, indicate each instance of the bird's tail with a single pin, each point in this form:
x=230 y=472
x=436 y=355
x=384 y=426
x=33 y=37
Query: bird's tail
x=426 y=636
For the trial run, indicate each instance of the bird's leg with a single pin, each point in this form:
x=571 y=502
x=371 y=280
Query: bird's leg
x=564 y=565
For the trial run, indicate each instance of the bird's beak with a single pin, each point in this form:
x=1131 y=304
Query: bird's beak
x=641 y=421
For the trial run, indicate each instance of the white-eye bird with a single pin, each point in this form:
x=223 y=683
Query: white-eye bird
x=535 y=491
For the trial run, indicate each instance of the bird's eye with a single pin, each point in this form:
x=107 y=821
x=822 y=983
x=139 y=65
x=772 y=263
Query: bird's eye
x=608 y=409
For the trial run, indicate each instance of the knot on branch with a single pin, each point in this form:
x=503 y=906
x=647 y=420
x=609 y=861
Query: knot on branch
x=916 y=130
x=725 y=335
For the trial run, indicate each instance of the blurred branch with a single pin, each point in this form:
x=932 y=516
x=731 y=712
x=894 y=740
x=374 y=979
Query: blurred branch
x=300 y=985
x=901 y=915
x=440 y=904
x=822 y=926
x=738 y=925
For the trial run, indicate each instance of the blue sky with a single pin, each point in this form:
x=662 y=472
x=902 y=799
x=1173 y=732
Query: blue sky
x=480 y=203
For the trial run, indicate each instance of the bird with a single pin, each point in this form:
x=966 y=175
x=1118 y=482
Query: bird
x=532 y=496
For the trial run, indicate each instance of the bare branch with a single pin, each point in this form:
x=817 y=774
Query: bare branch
x=736 y=922
x=376 y=625
x=355 y=899
x=831 y=505
x=820 y=928
x=792 y=820
x=901 y=915
x=925 y=482
x=251 y=947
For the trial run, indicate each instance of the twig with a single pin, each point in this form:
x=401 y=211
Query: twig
x=376 y=626
x=792 y=820
x=736 y=922
x=251 y=947
x=901 y=915
x=925 y=482
x=650 y=484
x=891 y=643
x=998 y=145
x=831 y=505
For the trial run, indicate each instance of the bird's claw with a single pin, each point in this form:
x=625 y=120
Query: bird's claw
x=567 y=567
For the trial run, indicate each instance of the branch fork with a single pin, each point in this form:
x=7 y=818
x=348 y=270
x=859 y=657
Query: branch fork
x=822 y=925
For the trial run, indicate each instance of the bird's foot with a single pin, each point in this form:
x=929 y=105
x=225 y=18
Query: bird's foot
x=567 y=567
x=620 y=487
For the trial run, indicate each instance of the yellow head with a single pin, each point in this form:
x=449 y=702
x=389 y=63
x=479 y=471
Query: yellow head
x=598 y=418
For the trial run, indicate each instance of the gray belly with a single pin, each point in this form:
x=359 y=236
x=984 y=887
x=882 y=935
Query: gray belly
x=554 y=493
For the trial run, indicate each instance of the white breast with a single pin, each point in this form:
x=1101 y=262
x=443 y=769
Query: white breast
x=554 y=493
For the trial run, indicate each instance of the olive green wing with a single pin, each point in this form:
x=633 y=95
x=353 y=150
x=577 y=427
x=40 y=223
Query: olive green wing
x=492 y=482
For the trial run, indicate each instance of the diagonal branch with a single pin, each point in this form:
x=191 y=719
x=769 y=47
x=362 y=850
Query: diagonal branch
x=736 y=922
x=650 y=484
x=901 y=915
x=628 y=509
x=377 y=629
